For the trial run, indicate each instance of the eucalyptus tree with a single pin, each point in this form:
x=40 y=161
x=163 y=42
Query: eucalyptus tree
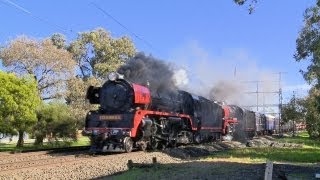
x=49 y=65
x=97 y=52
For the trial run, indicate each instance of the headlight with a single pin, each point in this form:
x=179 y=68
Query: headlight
x=115 y=131
x=95 y=132
x=113 y=76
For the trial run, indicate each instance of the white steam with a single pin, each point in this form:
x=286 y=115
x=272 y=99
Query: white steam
x=227 y=76
x=180 y=77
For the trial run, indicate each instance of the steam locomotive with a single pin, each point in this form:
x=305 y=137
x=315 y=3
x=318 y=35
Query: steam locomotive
x=131 y=117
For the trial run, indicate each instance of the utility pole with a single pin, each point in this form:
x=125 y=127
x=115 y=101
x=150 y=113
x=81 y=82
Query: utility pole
x=295 y=108
x=257 y=92
x=257 y=96
x=264 y=105
x=280 y=98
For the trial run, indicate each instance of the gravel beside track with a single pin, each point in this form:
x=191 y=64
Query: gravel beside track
x=7 y=157
x=82 y=166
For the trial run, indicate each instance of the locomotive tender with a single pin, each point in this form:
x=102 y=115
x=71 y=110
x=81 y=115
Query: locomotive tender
x=130 y=116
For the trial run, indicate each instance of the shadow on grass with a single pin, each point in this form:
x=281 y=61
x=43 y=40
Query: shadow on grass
x=213 y=170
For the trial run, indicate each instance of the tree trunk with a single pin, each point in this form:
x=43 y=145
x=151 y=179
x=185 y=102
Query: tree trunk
x=20 y=140
x=293 y=129
x=39 y=141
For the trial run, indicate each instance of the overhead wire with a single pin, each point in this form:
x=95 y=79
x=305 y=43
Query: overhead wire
x=123 y=26
x=24 y=10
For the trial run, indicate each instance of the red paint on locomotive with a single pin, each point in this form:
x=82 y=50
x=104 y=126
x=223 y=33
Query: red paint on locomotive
x=141 y=94
x=227 y=120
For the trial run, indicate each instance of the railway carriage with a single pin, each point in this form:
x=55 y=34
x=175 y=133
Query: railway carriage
x=260 y=123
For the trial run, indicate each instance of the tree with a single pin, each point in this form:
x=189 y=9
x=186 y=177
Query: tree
x=55 y=120
x=294 y=111
x=313 y=114
x=251 y=4
x=51 y=66
x=308 y=45
x=97 y=53
x=58 y=40
x=18 y=102
x=77 y=89
x=308 y=48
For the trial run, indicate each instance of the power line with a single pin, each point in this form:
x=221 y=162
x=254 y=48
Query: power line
x=258 y=92
x=122 y=25
x=279 y=92
x=24 y=10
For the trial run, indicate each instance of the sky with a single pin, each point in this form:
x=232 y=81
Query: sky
x=212 y=40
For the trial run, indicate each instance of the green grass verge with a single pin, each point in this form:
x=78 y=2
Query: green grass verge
x=83 y=141
x=301 y=138
x=188 y=170
x=309 y=153
x=295 y=155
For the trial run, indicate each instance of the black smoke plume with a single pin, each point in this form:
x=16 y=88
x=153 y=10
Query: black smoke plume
x=144 y=69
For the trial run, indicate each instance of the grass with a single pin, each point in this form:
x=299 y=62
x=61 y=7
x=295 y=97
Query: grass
x=301 y=138
x=309 y=153
x=188 y=170
x=295 y=155
x=82 y=141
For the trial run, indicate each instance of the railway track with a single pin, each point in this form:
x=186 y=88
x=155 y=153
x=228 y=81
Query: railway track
x=59 y=162
x=17 y=165
x=59 y=149
x=13 y=161
x=55 y=157
x=44 y=151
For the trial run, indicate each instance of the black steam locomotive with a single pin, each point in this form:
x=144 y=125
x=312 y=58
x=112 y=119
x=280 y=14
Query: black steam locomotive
x=130 y=116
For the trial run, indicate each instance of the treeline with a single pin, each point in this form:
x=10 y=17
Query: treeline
x=305 y=110
x=308 y=49
x=43 y=89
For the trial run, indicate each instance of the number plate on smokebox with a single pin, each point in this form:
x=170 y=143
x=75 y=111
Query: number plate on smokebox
x=110 y=117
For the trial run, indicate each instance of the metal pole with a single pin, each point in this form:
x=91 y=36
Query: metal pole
x=280 y=101
x=264 y=103
x=257 y=96
x=280 y=98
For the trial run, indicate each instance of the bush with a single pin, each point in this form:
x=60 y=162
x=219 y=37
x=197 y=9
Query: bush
x=55 y=121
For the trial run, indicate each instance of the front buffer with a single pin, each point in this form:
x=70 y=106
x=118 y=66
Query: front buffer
x=109 y=133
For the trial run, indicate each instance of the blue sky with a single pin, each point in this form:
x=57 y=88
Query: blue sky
x=183 y=32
